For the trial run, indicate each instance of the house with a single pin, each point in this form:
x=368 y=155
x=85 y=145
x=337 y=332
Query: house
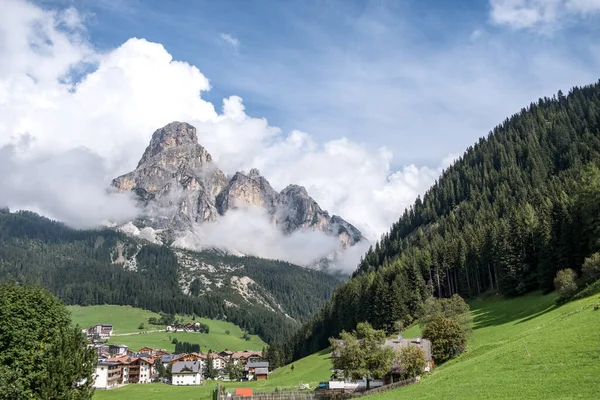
x=396 y=371
x=261 y=374
x=141 y=370
x=192 y=357
x=101 y=349
x=252 y=370
x=117 y=349
x=103 y=331
x=167 y=359
x=246 y=356
x=424 y=344
x=108 y=374
x=173 y=358
x=153 y=351
x=186 y=373
x=218 y=362
x=125 y=362
x=226 y=354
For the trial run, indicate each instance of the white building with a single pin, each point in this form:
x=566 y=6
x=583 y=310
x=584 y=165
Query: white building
x=103 y=331
x=145 y=370
x=186 y=373
x=218 y=363
x=108 y=374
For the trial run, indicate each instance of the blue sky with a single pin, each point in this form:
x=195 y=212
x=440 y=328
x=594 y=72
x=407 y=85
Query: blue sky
x=362 y=102
x=423 y=78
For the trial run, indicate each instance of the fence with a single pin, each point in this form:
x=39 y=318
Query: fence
x=314 y=395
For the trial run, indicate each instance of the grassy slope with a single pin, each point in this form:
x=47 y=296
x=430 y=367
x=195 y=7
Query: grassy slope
x=525 y=348
x=126 y=319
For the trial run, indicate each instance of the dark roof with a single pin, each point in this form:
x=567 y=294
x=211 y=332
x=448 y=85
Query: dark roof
x=186 y=367
x=109 y=363
x=257 y=364
x=424 y=344
x=170 y=357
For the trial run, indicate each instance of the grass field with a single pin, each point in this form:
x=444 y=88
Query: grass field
x=215 y=340
x=524 y=348
x=126 y=319
x=123 y=318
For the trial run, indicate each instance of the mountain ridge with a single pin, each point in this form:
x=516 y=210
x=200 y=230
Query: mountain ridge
x=178 y=187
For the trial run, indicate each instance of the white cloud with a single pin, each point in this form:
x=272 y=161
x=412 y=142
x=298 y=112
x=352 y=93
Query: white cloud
x=229 y=39
x=545 y=14
x=248 y=231
x=80 y=133
x=68 y=186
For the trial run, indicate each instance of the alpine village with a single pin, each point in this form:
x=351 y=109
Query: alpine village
x=154 y=246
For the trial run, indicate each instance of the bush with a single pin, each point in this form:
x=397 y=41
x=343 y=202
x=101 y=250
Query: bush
x=564 y=283
x=454 y=308
x=589 y=290
x=227 y=332
x=447 y=338
x=141 y=326
x=590 y=270
x=412 y=361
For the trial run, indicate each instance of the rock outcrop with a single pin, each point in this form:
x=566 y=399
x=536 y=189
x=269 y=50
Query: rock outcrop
x=178 y=185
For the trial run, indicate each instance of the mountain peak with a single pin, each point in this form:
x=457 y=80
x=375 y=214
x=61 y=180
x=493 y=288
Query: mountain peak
x=254 y=173
x=173 y=135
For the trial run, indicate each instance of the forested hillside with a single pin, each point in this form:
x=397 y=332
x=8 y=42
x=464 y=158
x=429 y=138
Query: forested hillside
x=89 y=267
x=517 y=207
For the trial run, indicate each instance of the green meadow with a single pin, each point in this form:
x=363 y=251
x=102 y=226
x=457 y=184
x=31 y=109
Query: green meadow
x=522 y=348
x=126 y=319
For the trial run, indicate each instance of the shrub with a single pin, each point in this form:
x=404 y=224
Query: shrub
x=590 y=270
x=447 y=337
x=454 y=308
x=564 y=283
x=412 y=361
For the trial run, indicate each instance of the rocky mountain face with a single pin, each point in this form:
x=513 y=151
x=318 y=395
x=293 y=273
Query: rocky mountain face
x=178 y=186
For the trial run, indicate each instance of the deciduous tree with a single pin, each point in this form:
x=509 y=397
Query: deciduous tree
x=447 y=338
x=41 y=348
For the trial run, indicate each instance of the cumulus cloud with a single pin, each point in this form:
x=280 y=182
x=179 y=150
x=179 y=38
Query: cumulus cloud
x=545 y=14
x=86 y=116
x=230 y=40
x=67 y=186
